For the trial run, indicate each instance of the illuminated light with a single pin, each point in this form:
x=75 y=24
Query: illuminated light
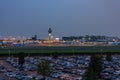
x=57 y=39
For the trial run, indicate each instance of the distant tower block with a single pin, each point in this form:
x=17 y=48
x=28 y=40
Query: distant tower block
x=50 y=33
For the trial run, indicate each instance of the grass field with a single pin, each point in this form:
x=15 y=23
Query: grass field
x=63 y=49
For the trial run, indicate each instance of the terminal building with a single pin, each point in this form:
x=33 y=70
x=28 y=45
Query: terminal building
x=88 y=40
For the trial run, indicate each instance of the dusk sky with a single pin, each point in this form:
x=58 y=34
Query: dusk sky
x=65 y=17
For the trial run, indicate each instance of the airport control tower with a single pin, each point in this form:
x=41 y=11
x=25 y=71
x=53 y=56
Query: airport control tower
x=50 y=33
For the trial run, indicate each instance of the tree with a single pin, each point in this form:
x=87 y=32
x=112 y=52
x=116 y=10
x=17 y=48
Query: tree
x=96 y=63
x=94 y=68
x=44 y=68
x=21 y=60
x=21 y=57
x=55 y=55
x=108 y=57
x=90 y=74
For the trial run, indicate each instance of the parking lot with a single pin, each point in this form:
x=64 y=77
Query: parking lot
x=111 y=69
x=64 y=68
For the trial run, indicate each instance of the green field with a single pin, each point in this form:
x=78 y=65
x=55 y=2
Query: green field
x=63 y=49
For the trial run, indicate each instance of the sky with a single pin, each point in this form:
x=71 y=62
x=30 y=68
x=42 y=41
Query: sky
x=65 y=17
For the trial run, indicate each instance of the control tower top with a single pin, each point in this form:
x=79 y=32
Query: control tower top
x=49 y=30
